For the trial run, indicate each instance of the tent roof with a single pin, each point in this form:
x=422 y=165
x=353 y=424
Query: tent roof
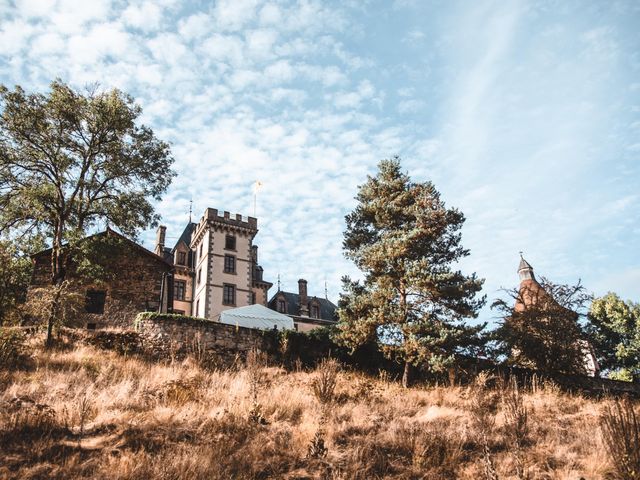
x=256 y=316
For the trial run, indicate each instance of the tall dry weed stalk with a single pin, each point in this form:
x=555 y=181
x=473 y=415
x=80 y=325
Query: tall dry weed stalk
x=516 y=425
x=323 y=386
x=621 y=432
x=255 y=364
x=85 y=412
x=483 y=407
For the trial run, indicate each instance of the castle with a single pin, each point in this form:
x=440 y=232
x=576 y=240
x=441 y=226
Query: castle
x=212 y=268
x=216 y=269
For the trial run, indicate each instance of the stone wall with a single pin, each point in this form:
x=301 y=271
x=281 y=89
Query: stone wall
x=132 y=279
x=166 y=336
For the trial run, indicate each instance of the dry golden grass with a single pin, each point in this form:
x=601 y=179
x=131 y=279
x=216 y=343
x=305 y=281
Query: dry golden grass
x=85 y=413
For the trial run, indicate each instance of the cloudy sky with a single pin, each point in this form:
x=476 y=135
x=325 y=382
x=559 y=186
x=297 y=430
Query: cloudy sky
x=525 y=114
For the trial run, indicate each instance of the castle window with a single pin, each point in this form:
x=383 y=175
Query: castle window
x=198 y=308
x=179 y=288
x=229 y=264
x=282 y=306
x=199 y=275
x=182 y=258
x=228 y=294
x=95 y=301
x=253 y=298
x=230 y=242
x=201 y=250
x=315 y=311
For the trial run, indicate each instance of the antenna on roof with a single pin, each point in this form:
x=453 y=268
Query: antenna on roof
x=326 y=294
x=278 y=282
x=520 y=252
x=190 y=208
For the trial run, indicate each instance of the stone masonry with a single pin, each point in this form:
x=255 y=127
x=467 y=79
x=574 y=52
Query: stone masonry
x=164 y=336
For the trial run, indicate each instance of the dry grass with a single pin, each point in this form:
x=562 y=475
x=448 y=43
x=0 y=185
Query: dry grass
x=84 y=413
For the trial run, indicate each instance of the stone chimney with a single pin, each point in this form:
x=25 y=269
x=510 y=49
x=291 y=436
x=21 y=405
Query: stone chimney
x=304 y=303
x=160 y=236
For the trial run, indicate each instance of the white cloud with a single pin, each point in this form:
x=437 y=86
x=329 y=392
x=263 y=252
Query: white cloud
x=146 y=17
x=195 y=26
x=260 y=43
x=99 y=41
x=234 y=14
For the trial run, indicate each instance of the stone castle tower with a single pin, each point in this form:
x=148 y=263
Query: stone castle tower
x=216 y=265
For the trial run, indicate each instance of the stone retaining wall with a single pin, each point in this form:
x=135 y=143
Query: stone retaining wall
x=166 y=336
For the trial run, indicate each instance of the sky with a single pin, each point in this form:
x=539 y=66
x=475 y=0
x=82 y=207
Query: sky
x=525 y=115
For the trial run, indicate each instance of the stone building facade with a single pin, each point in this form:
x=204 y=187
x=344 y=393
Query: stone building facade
x=135 y=280
x=215 y=265
x=307 y=312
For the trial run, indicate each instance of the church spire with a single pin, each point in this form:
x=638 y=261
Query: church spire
x=525 y=270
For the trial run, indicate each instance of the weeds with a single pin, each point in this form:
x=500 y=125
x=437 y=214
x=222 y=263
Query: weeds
x=137 y=419
x=13 y=350
x=483 y=408
x=516 y=425
x=323 y=386
x=256 y=361
x=621 y=431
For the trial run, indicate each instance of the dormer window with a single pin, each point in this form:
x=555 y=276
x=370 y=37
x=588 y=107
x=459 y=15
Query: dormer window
x=282 y=305
x=315 y=311
x=182 y=258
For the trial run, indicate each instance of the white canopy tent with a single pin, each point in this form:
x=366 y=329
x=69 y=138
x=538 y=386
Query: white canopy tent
x=256 y=316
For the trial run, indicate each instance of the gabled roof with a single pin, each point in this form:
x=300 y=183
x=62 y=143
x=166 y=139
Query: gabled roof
x=113 y=233
x=327 y=308
x=186 y=235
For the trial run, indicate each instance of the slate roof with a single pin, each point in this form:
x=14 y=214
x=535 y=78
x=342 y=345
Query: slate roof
x=524 y=264
x=186 y=235
x=327 y=308
x=112 y=232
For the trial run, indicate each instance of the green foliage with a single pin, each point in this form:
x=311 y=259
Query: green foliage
x=60 y=303
x=15 y=272
x=72 y=161
x=411 y=302
x=540 y=328
x=614 y=327
x=13 y=350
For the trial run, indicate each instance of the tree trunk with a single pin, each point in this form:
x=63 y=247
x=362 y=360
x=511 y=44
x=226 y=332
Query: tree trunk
x=406 y=376
x=53 y=312
x=57 y=277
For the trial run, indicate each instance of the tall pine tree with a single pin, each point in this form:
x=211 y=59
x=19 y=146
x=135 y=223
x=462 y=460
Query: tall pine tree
x=412 y=301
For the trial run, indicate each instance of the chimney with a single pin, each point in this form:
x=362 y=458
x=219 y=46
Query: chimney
x=160 y=235
x=302 y=291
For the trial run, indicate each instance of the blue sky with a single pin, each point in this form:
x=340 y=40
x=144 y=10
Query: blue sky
x=525 y=114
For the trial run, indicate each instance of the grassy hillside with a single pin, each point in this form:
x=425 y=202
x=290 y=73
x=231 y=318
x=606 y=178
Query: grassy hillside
x=84 y=413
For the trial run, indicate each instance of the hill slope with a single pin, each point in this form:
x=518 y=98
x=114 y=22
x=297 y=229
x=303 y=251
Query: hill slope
x=86 y=413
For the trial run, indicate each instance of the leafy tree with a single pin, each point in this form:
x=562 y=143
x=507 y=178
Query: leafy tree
x=71 y=160
x=540 y=326
x=614 y=327
x=412 y=302
x=15 y=272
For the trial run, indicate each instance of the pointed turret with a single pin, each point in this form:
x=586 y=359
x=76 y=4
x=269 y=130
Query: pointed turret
x=525 y=271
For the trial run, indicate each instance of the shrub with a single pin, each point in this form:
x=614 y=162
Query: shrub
x=621 y=431
x=13 y=350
